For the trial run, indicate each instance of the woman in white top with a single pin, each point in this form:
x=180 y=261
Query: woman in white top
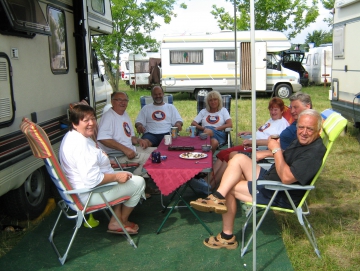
x=214 y=119
x=86 y=166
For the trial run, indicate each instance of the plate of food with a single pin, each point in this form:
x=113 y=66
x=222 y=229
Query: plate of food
x=193 y=155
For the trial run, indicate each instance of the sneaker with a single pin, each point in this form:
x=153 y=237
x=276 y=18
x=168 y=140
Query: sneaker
x=218 y=242
x=210 y=204
x=200 y=186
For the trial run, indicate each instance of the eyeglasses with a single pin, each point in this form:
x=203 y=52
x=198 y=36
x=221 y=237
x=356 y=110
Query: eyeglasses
x=121 y=100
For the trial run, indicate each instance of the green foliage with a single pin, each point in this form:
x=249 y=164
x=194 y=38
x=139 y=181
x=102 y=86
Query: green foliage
x=133 y=23
x=278 y=15
x=319 y=37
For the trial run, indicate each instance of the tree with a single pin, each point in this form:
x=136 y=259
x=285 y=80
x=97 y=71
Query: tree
x=132 y=22
x=290 y=16
x=329 y=5
x=319 y=37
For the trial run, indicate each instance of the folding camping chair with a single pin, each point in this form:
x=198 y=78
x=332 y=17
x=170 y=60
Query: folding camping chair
x=70 y=205
x=331 y=129
x=227 y=104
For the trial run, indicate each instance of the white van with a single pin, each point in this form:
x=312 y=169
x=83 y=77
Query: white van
x=201 y=63
x=46 y=63
x=141 y=70
x=345 y=91
x=318 y=64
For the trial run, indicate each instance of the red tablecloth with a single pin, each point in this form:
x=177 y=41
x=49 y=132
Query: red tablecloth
x=175 y=171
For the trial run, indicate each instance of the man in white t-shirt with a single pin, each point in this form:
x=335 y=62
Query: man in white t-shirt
x=155 y=120
x=117 y=135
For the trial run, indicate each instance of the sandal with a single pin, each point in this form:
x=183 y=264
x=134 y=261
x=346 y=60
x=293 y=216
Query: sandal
x=131 y=229
x=210 y=204
x=218 y=242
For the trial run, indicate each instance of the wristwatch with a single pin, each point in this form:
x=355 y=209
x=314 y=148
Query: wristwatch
x=275 y=150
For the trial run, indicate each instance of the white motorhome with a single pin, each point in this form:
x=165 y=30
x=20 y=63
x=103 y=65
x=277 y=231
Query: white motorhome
x=46 y=63
x=124 y=71
x=345 y=90
x=201 y=63
x=318 y=64
x=141 y=70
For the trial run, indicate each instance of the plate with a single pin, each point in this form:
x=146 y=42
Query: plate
x=193 y=155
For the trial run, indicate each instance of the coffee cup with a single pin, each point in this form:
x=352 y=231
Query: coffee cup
x=167 y=140
x=174 y=132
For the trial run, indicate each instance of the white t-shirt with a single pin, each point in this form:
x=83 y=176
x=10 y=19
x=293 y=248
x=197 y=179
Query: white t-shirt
x=212 y=119
x=116 y=127
x=271 y=127
x=158 y=119
x=83 y=163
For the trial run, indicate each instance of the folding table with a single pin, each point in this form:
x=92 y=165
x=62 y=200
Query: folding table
x=173 y=173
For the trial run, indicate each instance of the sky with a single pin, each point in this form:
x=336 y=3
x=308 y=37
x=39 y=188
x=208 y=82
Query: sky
x=197 y=19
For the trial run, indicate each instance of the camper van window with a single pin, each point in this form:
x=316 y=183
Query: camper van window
x=98 y=6
x=142 y=66
x=271 y=62
x=316 y=56
x=57 y=41
x=224 y=55
x=186 y=57
x=308 y=60
x=338 y=42
x=22 y=18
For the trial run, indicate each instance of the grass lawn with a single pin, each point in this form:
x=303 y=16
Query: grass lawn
x=334 y=204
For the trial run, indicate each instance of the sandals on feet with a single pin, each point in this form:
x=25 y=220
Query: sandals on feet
x=218 y=242
x=210 y=204
x=131 y=229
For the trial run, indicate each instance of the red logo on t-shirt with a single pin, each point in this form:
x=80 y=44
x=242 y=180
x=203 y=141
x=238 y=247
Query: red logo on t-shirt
x=127 y=129
x=158 y=115
x=264 y=127
x=212 y=119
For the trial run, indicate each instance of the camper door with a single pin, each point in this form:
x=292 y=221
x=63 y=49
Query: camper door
x=260 y=65
x=100 y=17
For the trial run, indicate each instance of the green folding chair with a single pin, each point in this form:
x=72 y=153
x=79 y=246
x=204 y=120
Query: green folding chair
x=331 y=129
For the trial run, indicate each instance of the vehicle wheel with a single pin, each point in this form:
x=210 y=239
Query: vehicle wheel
x=29 y=200
x=200 y=92
x=283 y=91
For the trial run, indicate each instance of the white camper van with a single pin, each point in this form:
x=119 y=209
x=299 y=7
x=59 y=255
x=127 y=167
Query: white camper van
x=345 y=89
x=142 y=70
x=318 y=64
x=201 y=63
x=46 y=63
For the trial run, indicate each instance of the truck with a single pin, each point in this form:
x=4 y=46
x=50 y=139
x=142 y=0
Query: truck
x=198 y=64
x=144 y=69
x=345 y=91
x=318 y=64
x=46 y=63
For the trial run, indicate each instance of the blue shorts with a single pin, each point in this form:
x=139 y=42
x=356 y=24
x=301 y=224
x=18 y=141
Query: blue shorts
x=155 y=139
x=220 y=136
x=264 y=195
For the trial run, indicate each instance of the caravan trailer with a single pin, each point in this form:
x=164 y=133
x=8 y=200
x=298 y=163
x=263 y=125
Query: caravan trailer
x=318 y=64
x=141 y=70
x=200 y=63
x=46 y=63
x=345 y=88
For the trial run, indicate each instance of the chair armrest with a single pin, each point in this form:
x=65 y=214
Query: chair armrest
x=96 y=189
x=276 y=185
x=246 y=136
x=262 y=148
x=228 y=130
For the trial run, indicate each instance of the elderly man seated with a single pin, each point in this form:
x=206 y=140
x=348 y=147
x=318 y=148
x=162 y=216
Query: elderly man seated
x=297 y=164
x=117 y=135
x=155 y=120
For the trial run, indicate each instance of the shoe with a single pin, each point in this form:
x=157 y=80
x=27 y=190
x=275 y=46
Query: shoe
x=218 y=242
x=210 y=204
x=132 y=229
x=200 y=186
